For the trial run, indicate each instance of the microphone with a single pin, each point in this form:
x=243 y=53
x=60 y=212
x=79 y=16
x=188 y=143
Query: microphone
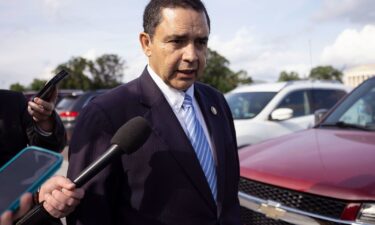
x=127 y=139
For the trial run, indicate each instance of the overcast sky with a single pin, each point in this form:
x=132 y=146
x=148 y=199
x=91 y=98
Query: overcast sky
x=260 y=37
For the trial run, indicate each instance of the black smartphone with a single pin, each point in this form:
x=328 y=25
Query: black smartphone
x=25 y=172
x=46 y=91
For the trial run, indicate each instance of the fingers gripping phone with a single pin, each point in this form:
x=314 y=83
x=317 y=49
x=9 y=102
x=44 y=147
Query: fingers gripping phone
x=25 y=172
x=46 y=92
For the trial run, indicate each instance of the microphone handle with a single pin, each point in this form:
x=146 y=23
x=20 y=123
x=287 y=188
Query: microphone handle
x=99 y=164
x=36 y=216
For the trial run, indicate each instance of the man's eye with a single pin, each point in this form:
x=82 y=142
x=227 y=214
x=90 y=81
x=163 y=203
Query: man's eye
x=176 y=41
x=202 y=42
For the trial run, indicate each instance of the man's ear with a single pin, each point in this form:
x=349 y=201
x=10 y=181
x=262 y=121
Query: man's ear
x=145 y=40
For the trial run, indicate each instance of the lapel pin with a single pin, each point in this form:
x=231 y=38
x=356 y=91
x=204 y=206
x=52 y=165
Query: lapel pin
x=213 y=110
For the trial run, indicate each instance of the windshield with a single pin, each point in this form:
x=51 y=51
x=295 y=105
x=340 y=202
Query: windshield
x=357 y=110
x=248 y=105
x=66 y=102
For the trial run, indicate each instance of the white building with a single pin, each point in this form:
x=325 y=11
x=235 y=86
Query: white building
x=356 y=75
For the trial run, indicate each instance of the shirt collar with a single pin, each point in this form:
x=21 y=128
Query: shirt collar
x=174 y=97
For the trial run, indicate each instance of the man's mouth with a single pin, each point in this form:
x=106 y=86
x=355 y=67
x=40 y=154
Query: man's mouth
x=188 y=71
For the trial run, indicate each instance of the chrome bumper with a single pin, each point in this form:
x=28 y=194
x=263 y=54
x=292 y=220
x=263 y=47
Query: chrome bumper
x=277 y=211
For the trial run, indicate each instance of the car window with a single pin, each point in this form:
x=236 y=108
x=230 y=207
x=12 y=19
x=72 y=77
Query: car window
x=298 y=101
x=248 y=105
x=362 y=112
x=358 y=109
x=66 y=102
x=325 y=99
x=87 y=97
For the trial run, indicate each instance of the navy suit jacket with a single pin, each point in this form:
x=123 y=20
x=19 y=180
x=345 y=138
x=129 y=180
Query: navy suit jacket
x=162 y=182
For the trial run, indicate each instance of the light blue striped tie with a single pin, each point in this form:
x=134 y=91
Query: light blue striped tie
x=200 y=144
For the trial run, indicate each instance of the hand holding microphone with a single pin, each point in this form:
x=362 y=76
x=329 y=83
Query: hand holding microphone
x=128 y=138
x=60 y=196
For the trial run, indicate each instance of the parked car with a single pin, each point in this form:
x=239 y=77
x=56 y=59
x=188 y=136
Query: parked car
x=29 y=94
x=270 y=110
x=66 y=92
x=323 y=175
x=70 y=106
x=61 y=93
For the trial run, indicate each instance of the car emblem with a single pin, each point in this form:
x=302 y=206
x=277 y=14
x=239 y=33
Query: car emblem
x=271 y=210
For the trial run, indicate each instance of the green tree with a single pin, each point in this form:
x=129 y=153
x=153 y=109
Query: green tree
x=325 y=73
x=218 y=74
x=107 y=71
x=78 y=68
x=17 y=87
x=285 y=76
x=37 y=84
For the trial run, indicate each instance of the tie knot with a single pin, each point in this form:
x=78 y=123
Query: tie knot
x=188 y=102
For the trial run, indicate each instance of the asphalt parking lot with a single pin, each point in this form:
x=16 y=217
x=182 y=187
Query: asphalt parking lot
x=64 y=166
x=63 y=169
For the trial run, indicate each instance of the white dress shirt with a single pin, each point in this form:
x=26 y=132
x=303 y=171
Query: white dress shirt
x=175 y=98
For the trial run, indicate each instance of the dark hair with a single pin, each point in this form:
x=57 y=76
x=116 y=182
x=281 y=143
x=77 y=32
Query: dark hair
x=152 y=14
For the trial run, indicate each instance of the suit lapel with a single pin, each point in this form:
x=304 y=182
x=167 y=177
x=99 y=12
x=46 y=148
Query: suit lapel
x=167 y=127
x=214 y=119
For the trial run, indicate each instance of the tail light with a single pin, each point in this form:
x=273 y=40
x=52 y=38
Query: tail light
x=68 y=115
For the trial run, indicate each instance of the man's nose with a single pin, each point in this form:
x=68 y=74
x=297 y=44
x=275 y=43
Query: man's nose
x=190 y=53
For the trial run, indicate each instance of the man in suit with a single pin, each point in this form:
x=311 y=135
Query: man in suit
x=166 y=180
x=25 y=123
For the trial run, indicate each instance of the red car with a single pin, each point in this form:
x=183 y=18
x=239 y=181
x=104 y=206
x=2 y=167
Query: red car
x=324 y=175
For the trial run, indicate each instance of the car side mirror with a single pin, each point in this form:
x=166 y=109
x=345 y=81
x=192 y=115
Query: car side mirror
x=281 y=114
x=319 y=114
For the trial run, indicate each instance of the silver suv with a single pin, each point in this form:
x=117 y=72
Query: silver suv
x=264 y=111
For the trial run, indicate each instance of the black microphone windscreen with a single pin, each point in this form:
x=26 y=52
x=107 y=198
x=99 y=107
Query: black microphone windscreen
x=132 y=135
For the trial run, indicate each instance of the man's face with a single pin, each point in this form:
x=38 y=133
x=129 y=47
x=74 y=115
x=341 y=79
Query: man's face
x=177 y=51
